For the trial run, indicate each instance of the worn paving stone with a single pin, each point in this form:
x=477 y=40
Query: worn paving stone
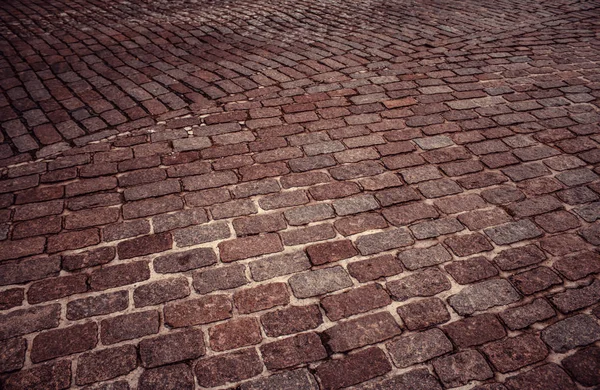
x=571 y=332
x=419 y=347
x=461 y=368
x=522 y=316
x=356 y=333
x=420 y=258
x=424 y=283
x=320 y=281
x=549 y=376
x=353 y=368
x=475 y=330
x=483 y=295
x=584 y=366
x=516 y=352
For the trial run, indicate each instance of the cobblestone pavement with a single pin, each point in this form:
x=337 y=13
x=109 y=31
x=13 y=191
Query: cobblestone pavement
x=294 y=194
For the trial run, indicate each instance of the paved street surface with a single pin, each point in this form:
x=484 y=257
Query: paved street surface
x=295 y=194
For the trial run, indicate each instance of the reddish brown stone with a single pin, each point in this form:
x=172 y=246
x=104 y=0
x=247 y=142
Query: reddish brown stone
x=89 y=258
x=404 y=215
x=93 y=217
x=330 y=252
x=369 y=329
x=291 y=351
x=423 y=313
x=357 y=224
x=375 y=268
x=21 y=248
x=356 y=301
x=97 y=305
x=243 y=248
x=292 y=319
x=129 y=326
x=176 y=377
x=197 y=311
x=353 y=369
x=519 y=257
x=468 y=244
x=419 y=284
x=261 y=297
x=32 y=319
x=534 y=280
x=231 y=367
x=12 y=352
x=33 y=268
x=547 y=377
x=105 y=364
x=234 y=333
x=578 y=266
x=584 y=366
x=471 y=270
x=119 y=275
x=161 y=291
x=73 y=240
x=461 y=368
x=55 y=375
x=172 y=347
x=516 y=352
x=144 y=245
x=11 y=298
x=475 y=330
x=62 y=342
x=51 y=289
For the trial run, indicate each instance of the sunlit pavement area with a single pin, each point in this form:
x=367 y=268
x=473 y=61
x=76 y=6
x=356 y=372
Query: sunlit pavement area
x=294 y=194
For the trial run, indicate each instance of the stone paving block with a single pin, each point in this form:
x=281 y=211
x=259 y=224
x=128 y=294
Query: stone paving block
x=379 y=242
x=475 y=330
x=300 y=379
x=549 y=376
x=319 y=281
x=516 y=352
x=461 y=368
x=425 y=257
x=353 y=369
x=424 y=283
x=584 y=366
x=483 y=295
x=512 y=232
x=419 y=347
x=522 y=316
x=572 y=332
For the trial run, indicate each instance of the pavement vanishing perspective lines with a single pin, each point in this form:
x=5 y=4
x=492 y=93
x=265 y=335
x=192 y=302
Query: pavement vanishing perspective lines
x=294 y=194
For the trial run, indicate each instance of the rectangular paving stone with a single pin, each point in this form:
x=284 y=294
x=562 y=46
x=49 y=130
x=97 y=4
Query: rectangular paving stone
x=194 y=235
x=278 y=265
x=317 y=282
x=522 y=316
x=513 y=232
x=483 y=295
x=419 y=347
x=424 y=283
x=572 y=332
x=424 y=257
x=379 y=242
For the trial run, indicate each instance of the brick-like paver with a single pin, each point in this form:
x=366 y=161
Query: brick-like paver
x=299 y=194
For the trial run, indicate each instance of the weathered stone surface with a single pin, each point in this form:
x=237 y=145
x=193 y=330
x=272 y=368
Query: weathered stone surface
x=461 y=368
x=318 y=282
x=300 y=379
x=483 y=295
x=571 y=332
x=419 y=347
x=420 y=284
